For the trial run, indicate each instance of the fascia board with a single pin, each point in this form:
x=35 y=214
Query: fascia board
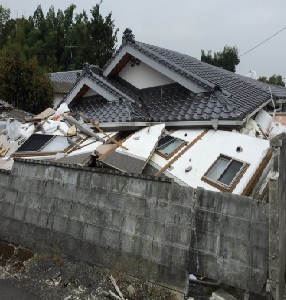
x=97 y=88
x=155 y=65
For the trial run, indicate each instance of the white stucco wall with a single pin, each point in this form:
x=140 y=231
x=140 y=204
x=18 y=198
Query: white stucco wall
x=205 y=152
x=143 y=76
x=57 y=99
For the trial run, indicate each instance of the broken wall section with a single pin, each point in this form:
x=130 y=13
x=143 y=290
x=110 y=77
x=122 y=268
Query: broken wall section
x=135 y=224
x=230 y=240
x=277 y=216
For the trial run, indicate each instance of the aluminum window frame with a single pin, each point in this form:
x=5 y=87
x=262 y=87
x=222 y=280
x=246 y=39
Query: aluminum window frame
x=184 y=143
x=235 y=180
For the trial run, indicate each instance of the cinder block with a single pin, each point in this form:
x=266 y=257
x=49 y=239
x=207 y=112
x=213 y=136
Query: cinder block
x=112 y=183
x=52 y=188
x=19 y=213
x=209 y=200
x=7 y=210
x=236 y=228
x=260 y=258
x=83 y=195
x=112 y=201
x=59 y=223
x=31 y=216
x=92 y=233
x=129 y=224
x=4 y=224
x=65 y=191
x=72 y=247
x=260 y=212
x=10 y=195
x=233 y=249
x=46 y=173
x=23 y=198
x=181 y=195
x=75 y=229
x=157 y=211
x=237 y=206
x=126 y=242
x=207 y=221
x=15 y=182
x=180 y=215
x=62 y=207
x=235 y=274
x=84 y=179
x=260 y=234
x=47 y=203
x=110 y=238
x=4 y=179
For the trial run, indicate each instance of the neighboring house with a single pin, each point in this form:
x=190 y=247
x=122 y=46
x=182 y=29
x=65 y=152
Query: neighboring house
x=63 y=83
x=147 y=84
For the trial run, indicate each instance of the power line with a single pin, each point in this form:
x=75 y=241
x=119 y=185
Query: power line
x=263 y=41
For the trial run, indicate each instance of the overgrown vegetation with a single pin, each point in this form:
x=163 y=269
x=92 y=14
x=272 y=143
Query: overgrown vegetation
x=228 y=59
x=274 y=79
x=60 y=40
x=22 y=83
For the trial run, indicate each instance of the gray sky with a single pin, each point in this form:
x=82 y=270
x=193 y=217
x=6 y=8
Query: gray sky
x=188 y=26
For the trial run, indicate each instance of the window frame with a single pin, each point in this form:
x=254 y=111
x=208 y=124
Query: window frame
x=219 y=185
x=167 y=157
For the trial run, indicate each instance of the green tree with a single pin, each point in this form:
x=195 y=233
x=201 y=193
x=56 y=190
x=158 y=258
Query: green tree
x=274 y=79
x=228 y=59
x=4 y=18
x=22 y=83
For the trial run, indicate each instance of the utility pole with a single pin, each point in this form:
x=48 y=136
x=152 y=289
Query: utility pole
x=70 y=46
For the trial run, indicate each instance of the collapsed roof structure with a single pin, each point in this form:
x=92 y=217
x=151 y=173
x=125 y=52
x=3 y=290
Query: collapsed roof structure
x=158 y=112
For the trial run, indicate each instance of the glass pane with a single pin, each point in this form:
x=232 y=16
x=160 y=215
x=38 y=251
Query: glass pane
x=58 y=144
x=232 y=170
x=170 y=147
x=218 y=168
x=164 y=140
x=35 y=142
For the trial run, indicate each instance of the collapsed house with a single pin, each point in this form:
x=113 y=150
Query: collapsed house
x=157 y=112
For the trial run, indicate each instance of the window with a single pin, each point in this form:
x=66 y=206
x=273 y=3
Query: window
x=45 y=144
x=225 y=173
x=169 y=145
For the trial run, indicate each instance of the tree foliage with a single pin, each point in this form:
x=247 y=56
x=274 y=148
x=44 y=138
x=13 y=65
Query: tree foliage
x=274 y=79
x=22 y=84
x=228 y=59
x=61 y=40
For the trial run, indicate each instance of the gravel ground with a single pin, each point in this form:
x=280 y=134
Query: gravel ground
x=25 y=275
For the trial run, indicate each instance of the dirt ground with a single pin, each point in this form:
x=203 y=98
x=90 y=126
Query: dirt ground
x=33 y=276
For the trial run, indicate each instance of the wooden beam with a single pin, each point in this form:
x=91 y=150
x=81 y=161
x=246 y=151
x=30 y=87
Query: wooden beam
x=248 y=189
x=121 y=64
x=181 y=153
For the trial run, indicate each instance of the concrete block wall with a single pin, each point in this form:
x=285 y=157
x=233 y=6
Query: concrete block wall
x=140 y=226
x=230 y=240
x=147 y=227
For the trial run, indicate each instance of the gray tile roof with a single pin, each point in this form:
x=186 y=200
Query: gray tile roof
x=68 y=76
x=99 y=109
x=229 y=96
x=63 y=82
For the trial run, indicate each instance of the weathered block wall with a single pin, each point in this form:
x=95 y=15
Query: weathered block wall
x=277 y=215
x=135 y=225
x=230 y=240
x=153 y=229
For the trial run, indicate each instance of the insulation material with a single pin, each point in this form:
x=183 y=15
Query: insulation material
x=141 y=146
x=276 y=129
x=50 y=126
x=264 y=120
x=62 y=109
x=13 y=129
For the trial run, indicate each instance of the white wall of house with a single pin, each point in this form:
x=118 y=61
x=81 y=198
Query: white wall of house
x=90 y=92
x=57 y=99
x=142 y=76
